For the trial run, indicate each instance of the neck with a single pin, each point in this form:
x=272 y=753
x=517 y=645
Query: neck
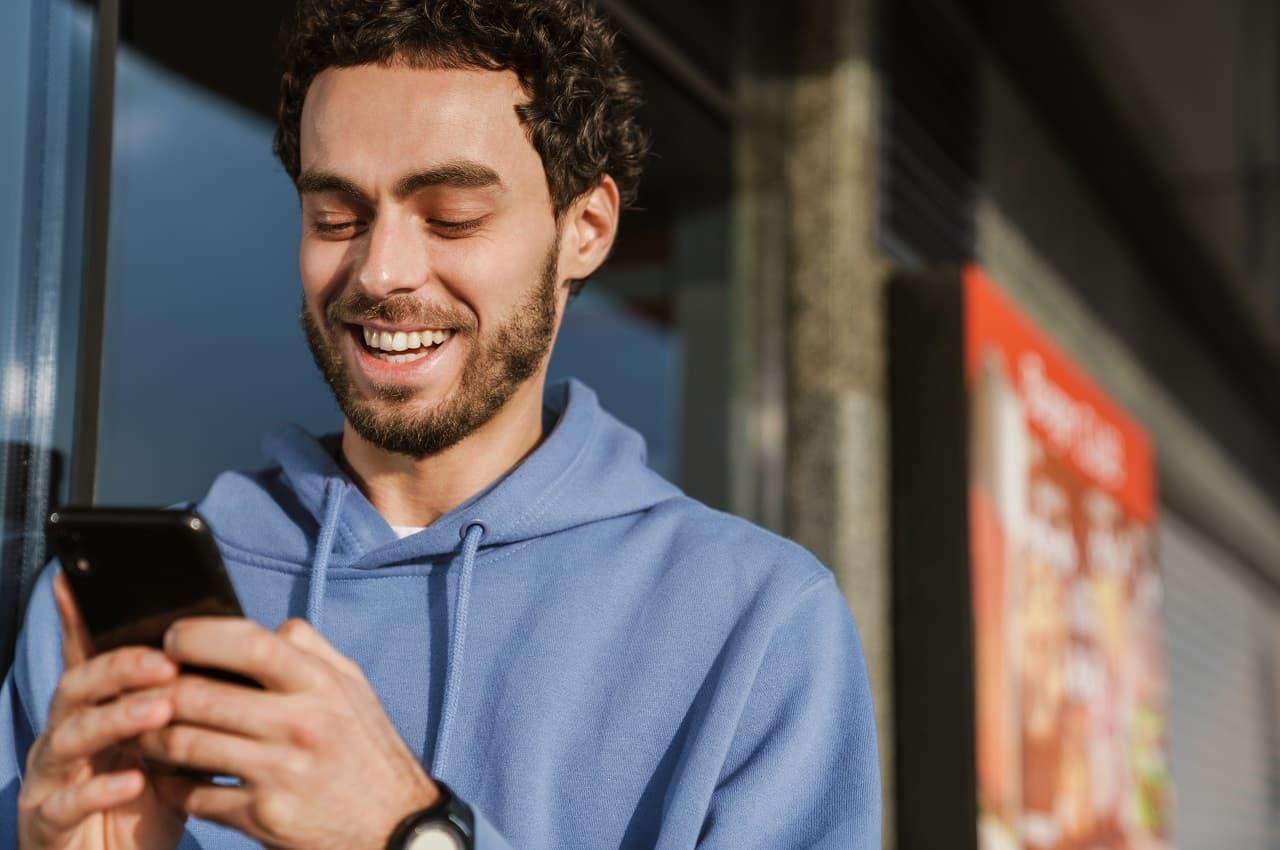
x=416 y=492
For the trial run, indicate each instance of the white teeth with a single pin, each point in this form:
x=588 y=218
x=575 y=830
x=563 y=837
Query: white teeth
x=401 y=358
x=396 y=341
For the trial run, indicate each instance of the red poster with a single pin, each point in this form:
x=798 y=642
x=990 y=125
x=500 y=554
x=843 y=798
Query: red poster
x=1068 y=655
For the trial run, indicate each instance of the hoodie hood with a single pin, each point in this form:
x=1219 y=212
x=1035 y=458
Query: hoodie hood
x=571 y=479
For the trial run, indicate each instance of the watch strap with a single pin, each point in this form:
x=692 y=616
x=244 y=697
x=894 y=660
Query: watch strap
x=449 y=811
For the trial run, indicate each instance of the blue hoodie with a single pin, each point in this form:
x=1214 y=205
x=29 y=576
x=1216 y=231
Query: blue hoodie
x=585 y=655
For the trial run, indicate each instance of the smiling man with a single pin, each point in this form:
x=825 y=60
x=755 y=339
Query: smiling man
x=515 y=634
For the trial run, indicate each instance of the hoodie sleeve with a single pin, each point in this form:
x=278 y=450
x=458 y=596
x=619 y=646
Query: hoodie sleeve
x=15 y=740
x=486 y=835
x=25 y=696
x=803 y=769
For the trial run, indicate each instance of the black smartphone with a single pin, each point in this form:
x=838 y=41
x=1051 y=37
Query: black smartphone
x=134 y=571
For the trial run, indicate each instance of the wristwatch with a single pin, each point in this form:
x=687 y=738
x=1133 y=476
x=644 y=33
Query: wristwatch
x=446 y=825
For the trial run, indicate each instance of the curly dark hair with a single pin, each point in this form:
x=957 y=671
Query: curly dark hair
x=580 y=113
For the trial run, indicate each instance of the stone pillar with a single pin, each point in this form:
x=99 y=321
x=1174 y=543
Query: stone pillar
x=837 y=450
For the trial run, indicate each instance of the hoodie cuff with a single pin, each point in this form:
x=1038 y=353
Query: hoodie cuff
x=487 y=836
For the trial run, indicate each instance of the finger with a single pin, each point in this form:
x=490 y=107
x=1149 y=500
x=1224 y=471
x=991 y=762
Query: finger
x=76 y=644
x=301 y=634
x=219 y=753
x=112 y=673
x=351 y=678
x=66 y=808
x=229 y=805
x=242 y=646
x=87 y=732
x=251 y=713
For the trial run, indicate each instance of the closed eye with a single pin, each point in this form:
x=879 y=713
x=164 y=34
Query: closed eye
x=457 y=228
x=335 y=228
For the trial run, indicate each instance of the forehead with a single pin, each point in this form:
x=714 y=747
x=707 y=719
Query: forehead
x=373 y=122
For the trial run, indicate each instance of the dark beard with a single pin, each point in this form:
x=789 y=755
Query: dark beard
x=490 y=377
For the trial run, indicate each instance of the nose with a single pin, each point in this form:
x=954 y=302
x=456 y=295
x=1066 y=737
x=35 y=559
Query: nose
x=395 y=257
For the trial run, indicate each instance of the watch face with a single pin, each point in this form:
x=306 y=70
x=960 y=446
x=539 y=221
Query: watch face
x=435 y=836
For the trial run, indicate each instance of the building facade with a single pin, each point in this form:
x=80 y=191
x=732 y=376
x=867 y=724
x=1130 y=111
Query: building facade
x=1114 y=167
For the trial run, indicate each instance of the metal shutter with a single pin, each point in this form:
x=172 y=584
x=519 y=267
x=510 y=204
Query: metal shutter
x=1223 y=650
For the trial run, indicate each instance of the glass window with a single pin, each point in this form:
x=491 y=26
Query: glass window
x=44 y=76
x=203 y=350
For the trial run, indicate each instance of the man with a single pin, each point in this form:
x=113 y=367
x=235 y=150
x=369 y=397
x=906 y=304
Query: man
x=516 y=635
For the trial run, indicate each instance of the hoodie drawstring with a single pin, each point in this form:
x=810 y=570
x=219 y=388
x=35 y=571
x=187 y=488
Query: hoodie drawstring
x=472 y=534
x=333 y=492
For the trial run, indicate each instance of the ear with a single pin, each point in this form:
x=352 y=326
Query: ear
x=588 y=230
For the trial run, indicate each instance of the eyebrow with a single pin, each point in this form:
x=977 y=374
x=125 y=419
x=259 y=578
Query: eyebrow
x=460 y=174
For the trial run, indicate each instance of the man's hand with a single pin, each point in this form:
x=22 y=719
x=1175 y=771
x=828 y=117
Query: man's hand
x=321 y=766
x=81 y=789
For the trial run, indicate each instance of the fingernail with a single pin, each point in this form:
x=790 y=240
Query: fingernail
x=143 y=709
x=154 y=662
x=119 y=783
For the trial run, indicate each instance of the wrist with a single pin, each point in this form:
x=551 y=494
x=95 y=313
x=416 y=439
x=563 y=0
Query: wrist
x=446 y=822
x=428 y=795
x=413 y=797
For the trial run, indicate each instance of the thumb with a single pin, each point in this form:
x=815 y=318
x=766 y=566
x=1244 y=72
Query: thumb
x=77 y=646
x=301 y=634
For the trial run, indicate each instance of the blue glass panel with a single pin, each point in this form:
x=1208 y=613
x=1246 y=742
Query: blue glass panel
x=203 y=353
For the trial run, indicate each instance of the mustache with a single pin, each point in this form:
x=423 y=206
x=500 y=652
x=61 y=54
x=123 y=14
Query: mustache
x=357 y=307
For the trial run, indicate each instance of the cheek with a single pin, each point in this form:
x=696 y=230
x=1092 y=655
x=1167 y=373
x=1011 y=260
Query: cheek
x=493 y=277
x=320 y=266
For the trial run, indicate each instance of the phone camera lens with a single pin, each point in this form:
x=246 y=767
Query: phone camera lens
x=75 y=537
x=83 y=567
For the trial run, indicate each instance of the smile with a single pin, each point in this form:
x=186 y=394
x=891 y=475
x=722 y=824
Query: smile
x=402 y=346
